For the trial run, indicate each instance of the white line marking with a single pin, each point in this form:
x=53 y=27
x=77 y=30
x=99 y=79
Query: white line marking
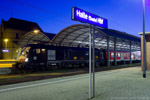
x=27 y=86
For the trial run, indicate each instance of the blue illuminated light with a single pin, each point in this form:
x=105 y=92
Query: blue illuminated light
x=86 y=17
x=5 y=50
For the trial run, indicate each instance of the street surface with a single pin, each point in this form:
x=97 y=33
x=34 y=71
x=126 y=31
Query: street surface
x=121 y=84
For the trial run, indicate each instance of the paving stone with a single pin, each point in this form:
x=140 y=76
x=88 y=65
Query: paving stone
x=122 y=84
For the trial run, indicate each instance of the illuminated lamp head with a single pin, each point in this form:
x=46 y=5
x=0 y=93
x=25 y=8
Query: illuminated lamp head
x=6 y=40
x=36 y=31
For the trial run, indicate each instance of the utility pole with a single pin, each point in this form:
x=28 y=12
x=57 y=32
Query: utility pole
x=144 y=50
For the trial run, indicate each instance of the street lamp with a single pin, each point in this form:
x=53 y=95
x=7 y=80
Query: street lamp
x=144 y=55
x=36 y=31
x=5 y=40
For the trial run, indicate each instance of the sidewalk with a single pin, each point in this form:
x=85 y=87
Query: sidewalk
x=128 y=85
x=119 y=84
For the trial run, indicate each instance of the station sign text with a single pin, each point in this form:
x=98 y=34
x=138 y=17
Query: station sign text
x=86 y=17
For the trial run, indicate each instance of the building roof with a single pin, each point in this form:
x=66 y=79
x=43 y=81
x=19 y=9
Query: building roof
x=74 y=36
x=49 y=35
x=78 y=36
x=122 y=35
x=146 y=33
x=35 y=38
x=20 y=24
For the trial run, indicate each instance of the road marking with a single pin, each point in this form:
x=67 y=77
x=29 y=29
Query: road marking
x=70 y=79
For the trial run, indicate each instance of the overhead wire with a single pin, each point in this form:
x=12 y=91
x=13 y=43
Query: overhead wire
x=41 y=10
x=56 y=14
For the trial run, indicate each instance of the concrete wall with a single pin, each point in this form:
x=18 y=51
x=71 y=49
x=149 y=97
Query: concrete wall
x=147 y=51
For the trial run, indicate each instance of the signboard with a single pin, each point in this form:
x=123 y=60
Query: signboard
x=51 y=55
x=5 y=50
x=86 y=17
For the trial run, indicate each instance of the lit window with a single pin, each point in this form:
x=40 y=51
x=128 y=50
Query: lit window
x=118 y=54
x=112 y=54
x=27 y=49
x=37 y=51
x=43 y=50
x=96 y=57
x=132 y=56
x=74 y=58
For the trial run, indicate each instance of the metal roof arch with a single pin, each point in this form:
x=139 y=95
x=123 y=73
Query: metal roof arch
x=75 y=35
x=33 y=38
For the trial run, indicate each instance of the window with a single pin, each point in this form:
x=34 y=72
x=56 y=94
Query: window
x=33 y=50
x=43 y=50
x=34 y=58
x=87 y=53
x=17 y=36
x=112 y=54
x=96 y=57
x=118 y=54
x=37 y=51
x=124 y=54
x=25 y=51
x=132 y=56
x=74 y=58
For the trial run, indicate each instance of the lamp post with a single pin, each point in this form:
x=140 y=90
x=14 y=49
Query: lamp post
x=5 y=40
x=36 y=32
x=144 y=55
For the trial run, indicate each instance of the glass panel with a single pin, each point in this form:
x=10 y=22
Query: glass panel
x=37 y=51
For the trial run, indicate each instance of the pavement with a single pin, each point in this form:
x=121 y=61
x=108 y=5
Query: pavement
x=120 y=84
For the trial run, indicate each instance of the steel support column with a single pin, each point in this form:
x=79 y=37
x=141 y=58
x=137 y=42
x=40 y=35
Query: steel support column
x=108 y=54
x=130 y=52
x=115 y=60
x=90 y=64
x=93 y=62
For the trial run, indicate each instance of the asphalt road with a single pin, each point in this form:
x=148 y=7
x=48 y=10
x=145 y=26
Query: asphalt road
x=122 y=84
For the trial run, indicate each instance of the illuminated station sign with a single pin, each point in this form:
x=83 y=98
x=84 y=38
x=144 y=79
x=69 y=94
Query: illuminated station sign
x=86 y=17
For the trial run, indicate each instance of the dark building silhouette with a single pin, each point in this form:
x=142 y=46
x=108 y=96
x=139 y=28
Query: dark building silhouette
x=13 y=30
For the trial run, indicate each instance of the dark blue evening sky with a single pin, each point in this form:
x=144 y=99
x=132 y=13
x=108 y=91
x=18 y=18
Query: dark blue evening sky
x=54 y=15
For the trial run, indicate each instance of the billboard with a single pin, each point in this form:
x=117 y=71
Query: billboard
x=86 y=17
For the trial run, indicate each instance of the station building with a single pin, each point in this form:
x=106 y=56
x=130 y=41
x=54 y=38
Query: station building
x=147 y=44
x=20 y=33
x=11 y=32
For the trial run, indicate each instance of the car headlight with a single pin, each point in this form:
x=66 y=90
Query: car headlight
x=26 y=60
